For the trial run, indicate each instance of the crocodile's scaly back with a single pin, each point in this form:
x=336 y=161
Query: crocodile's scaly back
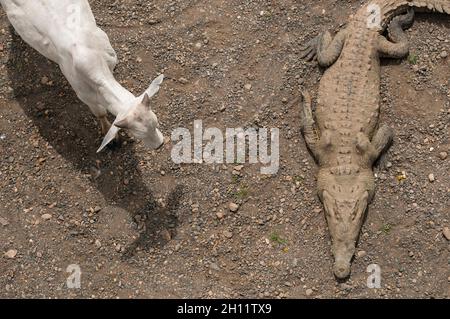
x=345 y=138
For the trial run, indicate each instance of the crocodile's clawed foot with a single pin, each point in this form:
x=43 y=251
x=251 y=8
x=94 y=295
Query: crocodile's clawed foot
x=309 y=51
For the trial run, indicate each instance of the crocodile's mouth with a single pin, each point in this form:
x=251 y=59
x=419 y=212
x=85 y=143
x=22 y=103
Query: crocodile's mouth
x=344 y=218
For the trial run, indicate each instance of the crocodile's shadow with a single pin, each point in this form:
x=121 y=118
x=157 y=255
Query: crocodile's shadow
x=68 y=126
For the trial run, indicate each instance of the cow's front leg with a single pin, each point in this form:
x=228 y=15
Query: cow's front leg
x=104 y=124
x=102 y=116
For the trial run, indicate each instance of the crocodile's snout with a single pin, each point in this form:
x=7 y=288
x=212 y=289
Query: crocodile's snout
x=344 y=217
x=341 y=269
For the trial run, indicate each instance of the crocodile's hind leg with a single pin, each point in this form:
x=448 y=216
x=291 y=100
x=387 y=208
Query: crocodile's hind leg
x=399 y=47
x=326 y=48
x=308 y=125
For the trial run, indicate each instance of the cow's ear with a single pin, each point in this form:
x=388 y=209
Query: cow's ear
x=154 y=87
x=146 y=101
x=112 y=133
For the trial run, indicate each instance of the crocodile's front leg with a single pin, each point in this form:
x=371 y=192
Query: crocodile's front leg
x=399 y=48
x=326 y=48
x=308 y=125
x=381 y=141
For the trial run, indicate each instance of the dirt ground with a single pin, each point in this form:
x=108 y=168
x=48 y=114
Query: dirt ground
x=140 y=226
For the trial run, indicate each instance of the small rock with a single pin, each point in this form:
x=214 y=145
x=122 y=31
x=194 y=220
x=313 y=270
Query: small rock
x=220 y=215
x=44 y=80
x=46 y=216
x=248 y=86
x=228 y=234
x=233 y=207
x=443 y=155
x=166 y=235
x=97 y=209
x=3 y=221
x=309 y=292
x=11 y=253
x=138 y=59
x=214 y=266
x=345 y=286
x=431 y=178
x=183 y=80
x=444 y=54
x=388 y=165
x=98 y=244
x=446 y=233
x=361 y=253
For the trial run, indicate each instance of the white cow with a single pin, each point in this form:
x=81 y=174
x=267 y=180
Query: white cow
x=65 y=32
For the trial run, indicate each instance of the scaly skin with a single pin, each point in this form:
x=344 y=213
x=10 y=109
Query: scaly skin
x=345 y=138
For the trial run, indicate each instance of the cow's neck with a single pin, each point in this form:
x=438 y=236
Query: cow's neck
x=117 y=99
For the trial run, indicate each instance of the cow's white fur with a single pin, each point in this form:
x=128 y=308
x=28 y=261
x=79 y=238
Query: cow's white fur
x=65 y=32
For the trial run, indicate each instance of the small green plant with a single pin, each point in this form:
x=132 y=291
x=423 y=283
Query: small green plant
x=412 y=58
x=242 y=192
x=274 y=237
x=234 y=179
x=298 y=179
x=386 y=228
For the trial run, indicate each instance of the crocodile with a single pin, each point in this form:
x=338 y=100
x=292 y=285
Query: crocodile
x=344 y=134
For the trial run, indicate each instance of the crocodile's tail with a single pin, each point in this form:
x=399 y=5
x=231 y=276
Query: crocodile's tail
x=383 y=11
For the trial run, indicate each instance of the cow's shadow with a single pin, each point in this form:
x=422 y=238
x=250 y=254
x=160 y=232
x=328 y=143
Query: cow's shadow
x=68 y=126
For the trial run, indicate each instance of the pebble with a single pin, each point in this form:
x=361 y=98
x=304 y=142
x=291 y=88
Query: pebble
x=444 y=54
x=3 y=221
x=97 y=209
x=248 y=87
x=44 y=80
x=431 y=178
x=214 y=266
x=11 y=253
x=443 y=155
x=220 y=215
x=233 y=207
x=46 y=216
x=98 y=244
x=309 y=292
x=228 y=234
x=446 y=233
x=361 y=253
